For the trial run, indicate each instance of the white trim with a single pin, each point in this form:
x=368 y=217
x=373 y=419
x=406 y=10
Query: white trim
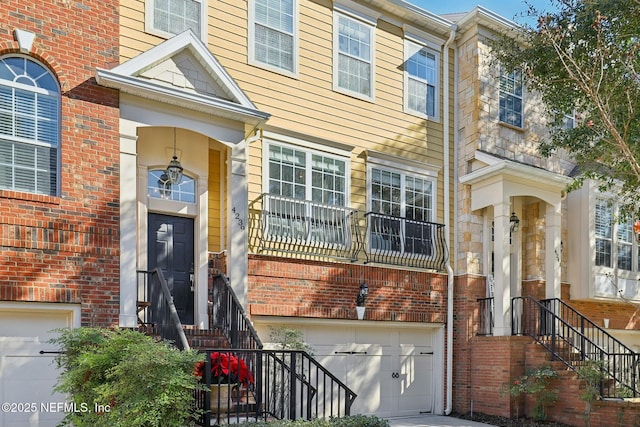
x=337 y=14
x=357 y=11
x=422 y=38
x=149 y=17
x=73 y=310
x=403 y=164
x=296 y=43
x=125 y=77
x=317 y=144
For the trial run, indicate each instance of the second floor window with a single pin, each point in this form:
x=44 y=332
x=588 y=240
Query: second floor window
x=511 y=93
x=402 y=207
x=274 y=33
x=29 y=127
x=171 y=17
x=307 y=196
x=421 y=91
x=354 y=46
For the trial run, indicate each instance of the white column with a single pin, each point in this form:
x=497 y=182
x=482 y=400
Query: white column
x=502 y=260
x=237 y=214
x=553 y=254
x=128 y=232
x=201 y=256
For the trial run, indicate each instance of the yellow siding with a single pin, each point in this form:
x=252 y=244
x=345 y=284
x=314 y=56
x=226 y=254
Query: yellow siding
x=307 y=104
x=215 y=202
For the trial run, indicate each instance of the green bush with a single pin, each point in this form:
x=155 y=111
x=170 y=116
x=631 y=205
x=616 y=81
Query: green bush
x=350 y=421
x=535 y=382
x=123 y=378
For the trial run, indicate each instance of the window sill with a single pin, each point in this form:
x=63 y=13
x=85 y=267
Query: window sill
x=513 y=127
x=31 y=197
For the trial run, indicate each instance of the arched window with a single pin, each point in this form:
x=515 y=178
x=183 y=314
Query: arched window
x=29 y=126
x=159 y=187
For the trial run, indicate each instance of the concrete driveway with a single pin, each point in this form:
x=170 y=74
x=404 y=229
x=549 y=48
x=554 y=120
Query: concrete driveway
x=434 y=421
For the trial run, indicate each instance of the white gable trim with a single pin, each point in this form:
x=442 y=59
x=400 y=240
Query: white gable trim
x=125 y=77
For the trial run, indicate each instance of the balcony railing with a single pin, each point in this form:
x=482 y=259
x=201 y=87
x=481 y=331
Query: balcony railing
x=485 y=316
x=283 y=225
x=405 y=242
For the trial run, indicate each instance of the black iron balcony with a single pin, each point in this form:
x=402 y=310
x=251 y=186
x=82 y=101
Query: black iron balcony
x=405 y=242
x=283 y=225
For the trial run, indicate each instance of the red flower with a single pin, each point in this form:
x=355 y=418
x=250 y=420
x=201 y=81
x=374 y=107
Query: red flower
x=227 y=368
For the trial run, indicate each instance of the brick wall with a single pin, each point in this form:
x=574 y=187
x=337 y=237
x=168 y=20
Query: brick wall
x=66 y=248
x=288 y=287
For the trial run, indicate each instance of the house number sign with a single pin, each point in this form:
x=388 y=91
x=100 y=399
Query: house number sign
x=237 y=218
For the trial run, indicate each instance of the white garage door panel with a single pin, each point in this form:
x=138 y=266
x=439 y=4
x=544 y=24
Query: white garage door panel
x=390 y=368
x=416 y=375
x=26 y=376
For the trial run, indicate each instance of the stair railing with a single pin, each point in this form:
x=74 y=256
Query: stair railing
x=574 y=339
x=287 y=384
x=227 y=314
x=161 y=314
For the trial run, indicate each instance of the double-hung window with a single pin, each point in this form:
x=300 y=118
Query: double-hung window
x=402 y=208
x=171 y=17
x=353 y=56
x=421 y=80
x=307 y=197
x=272 y=33
x=29 y=127
x=511 y=98
x=614 y=239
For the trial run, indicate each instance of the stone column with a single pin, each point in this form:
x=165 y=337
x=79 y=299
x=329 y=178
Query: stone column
x=553 y=251
x=502 y=260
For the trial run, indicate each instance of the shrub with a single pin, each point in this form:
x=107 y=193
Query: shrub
x=534 y=382
x=123 y=378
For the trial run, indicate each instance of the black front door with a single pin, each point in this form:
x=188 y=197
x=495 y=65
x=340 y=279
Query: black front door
x=171 y=250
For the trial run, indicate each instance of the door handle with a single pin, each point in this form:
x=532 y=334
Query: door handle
x=395 y=375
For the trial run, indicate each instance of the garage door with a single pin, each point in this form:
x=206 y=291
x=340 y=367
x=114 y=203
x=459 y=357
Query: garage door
x=391 y=369
x=27 y=377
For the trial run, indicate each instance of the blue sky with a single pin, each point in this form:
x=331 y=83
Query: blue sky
x=506 y=8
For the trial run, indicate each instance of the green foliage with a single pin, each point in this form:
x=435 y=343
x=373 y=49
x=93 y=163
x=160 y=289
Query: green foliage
x=289 y=339
x=351 y=421
x=584 y=59
x=593 y=373
x=534 y=382
x=135 y=380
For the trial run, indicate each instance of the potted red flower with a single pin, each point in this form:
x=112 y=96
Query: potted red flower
x=231 y=381
x=227 y=368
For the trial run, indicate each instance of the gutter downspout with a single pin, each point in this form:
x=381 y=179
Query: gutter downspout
x=447 y=221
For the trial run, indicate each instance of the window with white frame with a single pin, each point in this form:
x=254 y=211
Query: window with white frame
x=354 y=62
x=29 y=126
x=159 y=187
x=307 y=196
x=421 y=80
x=615 y=241
x=402 y=208
x=511 y=101
x=273 y=33
x=171 y=17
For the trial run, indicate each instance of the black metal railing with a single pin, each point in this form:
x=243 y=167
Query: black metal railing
x=406 y=242
x=227 y=315
x=574 y=339
x=156 y=309
x=485 y=316
x=284 y=384
x=283 y=225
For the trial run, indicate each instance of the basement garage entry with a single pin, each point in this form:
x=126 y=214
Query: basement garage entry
x=396 y=369
x=27 y=377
